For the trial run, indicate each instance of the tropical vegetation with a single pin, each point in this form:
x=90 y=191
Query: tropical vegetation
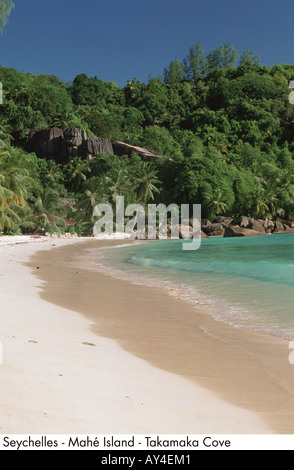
x=221 y=121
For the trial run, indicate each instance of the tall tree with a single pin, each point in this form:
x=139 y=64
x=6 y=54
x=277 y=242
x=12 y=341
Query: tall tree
x=222 y=57
x=94 y=192
x=77 y=171
x=47 y=214
x=195 y=63
x=249 y=58
x=15 y=185
x=175 y=72
x=5 y=10
x=146 y=181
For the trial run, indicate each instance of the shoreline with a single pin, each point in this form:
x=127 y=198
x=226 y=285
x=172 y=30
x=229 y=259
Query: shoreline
x=87 y=353
x=249 y=370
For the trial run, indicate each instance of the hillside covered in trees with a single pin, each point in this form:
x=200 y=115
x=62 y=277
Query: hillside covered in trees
x=222 y=123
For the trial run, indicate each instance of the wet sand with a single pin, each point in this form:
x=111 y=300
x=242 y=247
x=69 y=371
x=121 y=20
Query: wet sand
x=212 y=376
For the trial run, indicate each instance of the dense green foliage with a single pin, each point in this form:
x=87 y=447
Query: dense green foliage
x=223 y=124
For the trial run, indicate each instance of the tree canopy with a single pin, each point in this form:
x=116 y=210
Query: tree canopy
x=222 y=122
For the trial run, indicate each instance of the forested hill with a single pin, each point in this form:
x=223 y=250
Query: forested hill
x=223 y=124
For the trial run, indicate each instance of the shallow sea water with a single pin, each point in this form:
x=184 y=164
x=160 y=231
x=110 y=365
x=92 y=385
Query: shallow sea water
x=246 y=282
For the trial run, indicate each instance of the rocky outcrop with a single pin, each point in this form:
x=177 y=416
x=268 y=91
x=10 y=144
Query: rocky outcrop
x=244 y=227
x=224 y=221
x=121 y=148
x=237 y=231
x=243 y=221
x=257 y=226
x=46 y=143
x=61 y=145
x=216 y=227
x=73 y=142
x=214 y=230
x=96 y=145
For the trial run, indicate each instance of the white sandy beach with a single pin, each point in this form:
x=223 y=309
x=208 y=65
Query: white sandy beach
x=59 y=377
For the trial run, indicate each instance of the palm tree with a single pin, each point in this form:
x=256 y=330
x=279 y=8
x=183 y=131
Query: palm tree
x=47 y=213
x=52 y=173
x=267 y=199
x=77 y=170
x=145 y=181
x=5 y=135
x=261 y=207
x=66 y=121
x=15 y=186
x=94 y=192
x=118 y=183
x=8 y=199
x=271 y=201
x=266 y=202
x=216 y=204
x=285 y=181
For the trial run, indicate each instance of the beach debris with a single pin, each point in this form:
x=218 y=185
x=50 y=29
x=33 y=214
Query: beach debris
x=88 y=344
x=32 y=341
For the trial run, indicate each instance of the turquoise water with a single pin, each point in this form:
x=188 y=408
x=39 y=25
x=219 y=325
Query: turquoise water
x=246 y=282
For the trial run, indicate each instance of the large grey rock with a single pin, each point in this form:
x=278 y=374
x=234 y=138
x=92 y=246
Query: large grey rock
x=46 y=143
x=236 y=231
x=73 y=142
x=243 y=221
x=279 y=226
x=75 y=137
x=224 y=221
x=257 y=225
x=96 y=145
x=214 y=230
x=121 y=148
x=205 y=224
x=269 y=225
x=62 y=146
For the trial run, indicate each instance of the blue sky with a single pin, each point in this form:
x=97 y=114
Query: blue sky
x=117 y=40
